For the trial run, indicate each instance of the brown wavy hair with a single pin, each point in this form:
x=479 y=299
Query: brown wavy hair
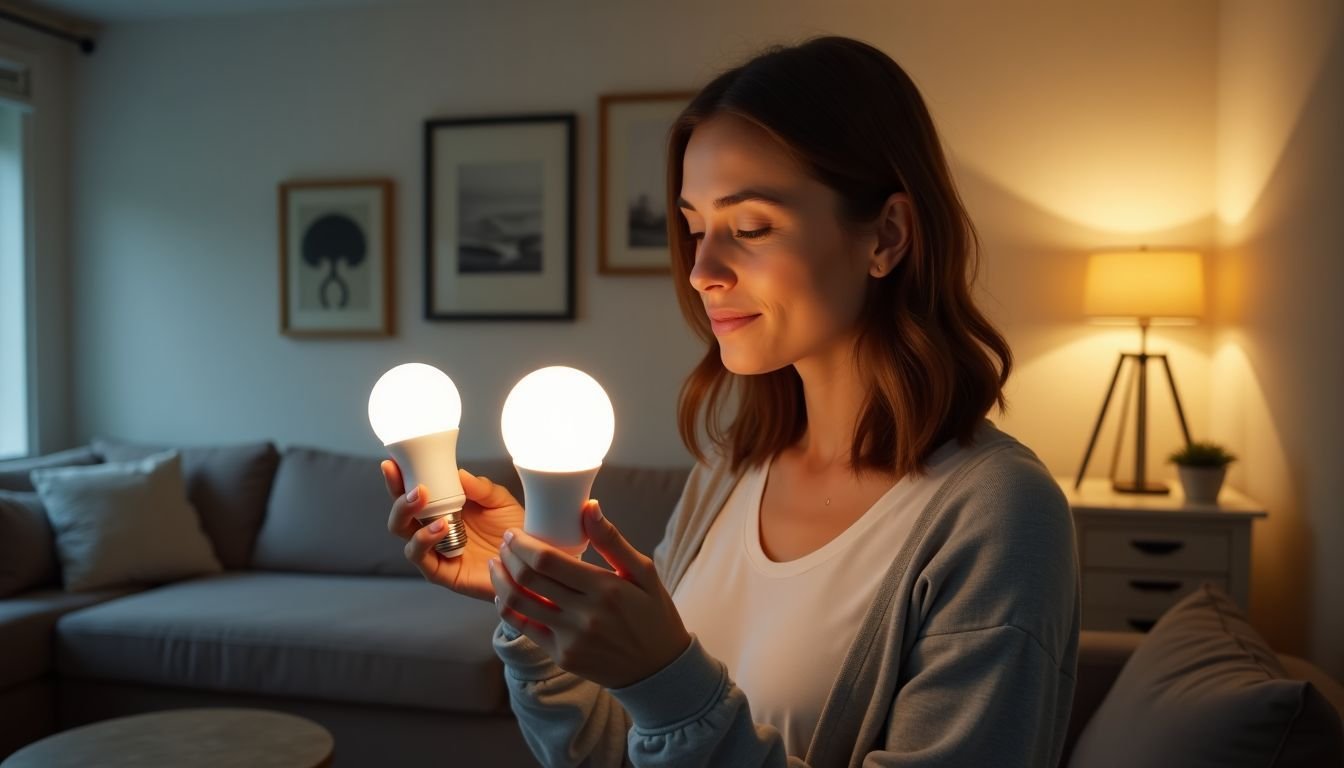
x=934 y=364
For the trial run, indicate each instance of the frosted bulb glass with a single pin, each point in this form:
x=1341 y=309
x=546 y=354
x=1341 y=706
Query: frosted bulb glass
x=558 y=419
x=413 y=399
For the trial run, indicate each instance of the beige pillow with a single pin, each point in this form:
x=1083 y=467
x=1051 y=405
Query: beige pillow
x=124 y=523
x=1204 y=689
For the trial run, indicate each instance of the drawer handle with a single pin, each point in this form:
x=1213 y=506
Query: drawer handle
x=1142 y=625
x=1156 y=547
x=1146 y=585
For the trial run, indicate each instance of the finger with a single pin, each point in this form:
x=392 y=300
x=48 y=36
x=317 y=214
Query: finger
x=484 y=491
x=537 y=583
x=559 y=566
x=510 y=598
x=419 y=550
x=629 y=562
x=392 y=478
x=401 y=520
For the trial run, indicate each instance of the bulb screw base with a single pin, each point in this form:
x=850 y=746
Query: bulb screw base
x=454 y=542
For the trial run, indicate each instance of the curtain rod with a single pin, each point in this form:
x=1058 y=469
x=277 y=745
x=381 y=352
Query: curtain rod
x=84 y=42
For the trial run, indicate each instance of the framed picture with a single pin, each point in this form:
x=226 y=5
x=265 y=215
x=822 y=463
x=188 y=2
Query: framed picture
x=632 y=181
x=336 y=257
x=499 y=218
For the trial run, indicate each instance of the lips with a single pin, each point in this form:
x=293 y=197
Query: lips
x=727 y=321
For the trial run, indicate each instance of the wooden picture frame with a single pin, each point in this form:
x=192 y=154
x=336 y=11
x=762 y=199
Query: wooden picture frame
x=499 y=217
x=337 y=257
x=632 y=181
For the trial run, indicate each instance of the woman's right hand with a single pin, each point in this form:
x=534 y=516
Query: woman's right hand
x=490 y=510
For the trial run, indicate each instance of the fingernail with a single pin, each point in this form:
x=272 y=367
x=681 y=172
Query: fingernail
x=508 y=537
x=436 y=526
x=414 y=494
x=597 y=512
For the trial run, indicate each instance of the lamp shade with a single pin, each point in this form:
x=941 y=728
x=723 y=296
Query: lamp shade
x=1153 y=285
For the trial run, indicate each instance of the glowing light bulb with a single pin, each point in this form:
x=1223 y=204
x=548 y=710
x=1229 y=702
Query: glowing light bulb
x=558 y=425
x=415 y=410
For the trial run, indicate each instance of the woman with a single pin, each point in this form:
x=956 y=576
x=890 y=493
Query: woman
x=862 y=569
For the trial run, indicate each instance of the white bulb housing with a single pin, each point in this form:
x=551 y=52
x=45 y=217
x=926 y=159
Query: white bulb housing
x=415 y=410
x=558 y=425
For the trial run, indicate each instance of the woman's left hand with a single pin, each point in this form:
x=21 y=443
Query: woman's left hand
x=612 y=628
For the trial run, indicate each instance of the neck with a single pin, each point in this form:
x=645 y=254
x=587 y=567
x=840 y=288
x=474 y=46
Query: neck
x=833 y=394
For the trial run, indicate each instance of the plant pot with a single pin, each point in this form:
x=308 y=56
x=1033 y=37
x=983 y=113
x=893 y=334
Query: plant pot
x=1201 y=484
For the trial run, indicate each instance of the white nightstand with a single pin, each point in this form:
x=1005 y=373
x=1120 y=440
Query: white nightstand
x=1139 y=554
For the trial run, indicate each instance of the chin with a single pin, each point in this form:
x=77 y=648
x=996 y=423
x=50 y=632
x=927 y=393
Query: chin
x=746 y=362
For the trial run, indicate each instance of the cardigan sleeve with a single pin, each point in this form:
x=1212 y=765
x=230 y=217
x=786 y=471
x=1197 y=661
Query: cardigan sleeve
x=687 y=714
x=989 y=677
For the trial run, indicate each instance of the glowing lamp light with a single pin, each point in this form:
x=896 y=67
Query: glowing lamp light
x=415 y=410
x=558 y=425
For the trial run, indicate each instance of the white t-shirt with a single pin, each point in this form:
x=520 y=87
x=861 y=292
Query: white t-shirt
x=783 y=628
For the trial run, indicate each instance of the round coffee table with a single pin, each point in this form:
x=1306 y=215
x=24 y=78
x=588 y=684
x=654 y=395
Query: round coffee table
x=195 y=738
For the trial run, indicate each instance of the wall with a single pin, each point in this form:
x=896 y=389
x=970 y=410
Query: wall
x=187 y=125
x=48 y=279
x=1278 y=359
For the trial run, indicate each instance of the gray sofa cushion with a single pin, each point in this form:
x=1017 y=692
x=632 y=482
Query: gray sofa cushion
x=14 y=472
x=328 y=511
x=328 y=514
x=27 y=544
x=227 y=484
x=27 y=622
x=1203 y=688
x=638 y=500
x=346 y=638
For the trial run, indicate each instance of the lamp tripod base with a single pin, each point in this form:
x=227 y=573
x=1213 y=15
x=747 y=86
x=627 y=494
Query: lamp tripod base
x=1150 y=486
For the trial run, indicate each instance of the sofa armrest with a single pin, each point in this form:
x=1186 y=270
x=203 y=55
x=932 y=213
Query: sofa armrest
x=1301 y=669
x=1101 y=656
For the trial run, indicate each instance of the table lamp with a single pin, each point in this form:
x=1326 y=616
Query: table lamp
x=1148 y=288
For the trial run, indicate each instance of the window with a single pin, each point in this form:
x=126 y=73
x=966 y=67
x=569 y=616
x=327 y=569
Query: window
x=14 y=426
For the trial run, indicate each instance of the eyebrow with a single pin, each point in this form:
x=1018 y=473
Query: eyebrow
x=757 y=195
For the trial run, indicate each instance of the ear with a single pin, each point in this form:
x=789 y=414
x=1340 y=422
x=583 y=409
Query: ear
x=895 y=227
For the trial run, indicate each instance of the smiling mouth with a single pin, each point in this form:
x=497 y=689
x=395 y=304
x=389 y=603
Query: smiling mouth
x=728 y=325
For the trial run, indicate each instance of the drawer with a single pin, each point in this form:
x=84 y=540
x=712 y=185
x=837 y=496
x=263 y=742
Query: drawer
x=1156 y=549
x=1148 y=592
x=1111 y=619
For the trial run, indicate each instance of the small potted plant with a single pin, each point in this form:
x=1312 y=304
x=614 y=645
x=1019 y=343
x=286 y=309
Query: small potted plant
x=1202 y=466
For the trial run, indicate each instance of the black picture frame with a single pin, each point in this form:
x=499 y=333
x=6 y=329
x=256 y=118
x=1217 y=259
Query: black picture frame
x=498 y=245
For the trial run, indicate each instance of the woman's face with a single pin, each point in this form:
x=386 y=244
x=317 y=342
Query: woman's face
x=770 y=249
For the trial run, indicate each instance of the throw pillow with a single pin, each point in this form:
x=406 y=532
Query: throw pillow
x=1204 y=689
x=27 y=547
x=123 y=523
x=227 y=484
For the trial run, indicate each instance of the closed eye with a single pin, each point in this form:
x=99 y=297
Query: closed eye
x=750 y=234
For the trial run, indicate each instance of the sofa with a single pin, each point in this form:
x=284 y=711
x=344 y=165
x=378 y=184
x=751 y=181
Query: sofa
x=316 y=612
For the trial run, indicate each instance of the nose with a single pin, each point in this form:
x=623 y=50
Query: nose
x=710 y=270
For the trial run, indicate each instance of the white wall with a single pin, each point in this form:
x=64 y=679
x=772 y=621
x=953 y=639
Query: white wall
x=186 y=126
x=47 y=170
x=1278 y=361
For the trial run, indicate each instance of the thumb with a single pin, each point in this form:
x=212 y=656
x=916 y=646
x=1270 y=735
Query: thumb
x=612 y=546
